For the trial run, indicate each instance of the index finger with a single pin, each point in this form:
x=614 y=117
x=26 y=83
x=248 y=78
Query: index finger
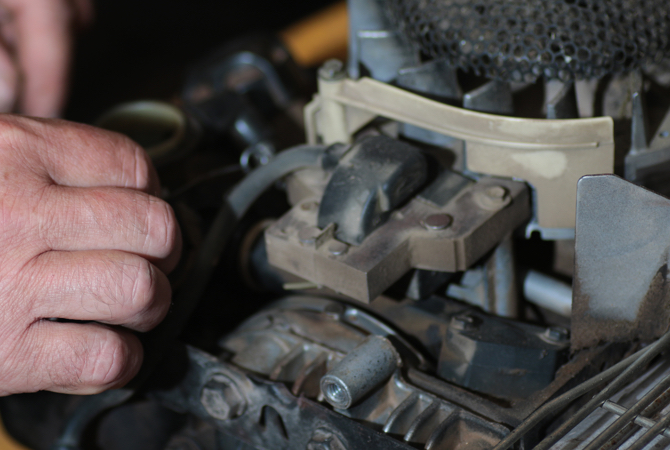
x=78 y=155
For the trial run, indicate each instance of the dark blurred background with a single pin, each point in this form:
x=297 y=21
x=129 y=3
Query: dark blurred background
x=141 y=49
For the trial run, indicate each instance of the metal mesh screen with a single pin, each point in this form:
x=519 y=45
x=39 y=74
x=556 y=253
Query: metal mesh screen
x=523 y=40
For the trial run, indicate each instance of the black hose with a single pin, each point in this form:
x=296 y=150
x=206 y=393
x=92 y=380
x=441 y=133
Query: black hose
x=162 y=338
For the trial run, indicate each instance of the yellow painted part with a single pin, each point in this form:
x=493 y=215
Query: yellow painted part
x=319 y=37
x=7 y=442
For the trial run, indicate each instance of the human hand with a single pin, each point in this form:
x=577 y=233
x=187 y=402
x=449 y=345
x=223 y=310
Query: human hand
x=81 y=238
x=35 y=53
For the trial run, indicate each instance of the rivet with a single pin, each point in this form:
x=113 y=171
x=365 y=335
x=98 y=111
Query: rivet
x=437 y=222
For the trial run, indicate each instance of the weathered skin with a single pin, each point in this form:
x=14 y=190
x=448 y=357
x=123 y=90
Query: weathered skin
x=82 y=237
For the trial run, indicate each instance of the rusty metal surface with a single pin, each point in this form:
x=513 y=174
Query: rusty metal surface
x=483 y=214
x=620 y=289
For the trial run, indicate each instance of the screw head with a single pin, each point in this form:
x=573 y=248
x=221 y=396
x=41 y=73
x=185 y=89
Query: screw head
x=332 y=70
x=338 y=248
x=308 y=235
x=558 y=335
x=465 y=322
x=437 y=222
x=222 y=399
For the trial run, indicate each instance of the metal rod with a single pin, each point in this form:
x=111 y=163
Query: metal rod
x=629 y=416
x=644 y=422
x=625 y=377
x=651 y=434
x=565 y=399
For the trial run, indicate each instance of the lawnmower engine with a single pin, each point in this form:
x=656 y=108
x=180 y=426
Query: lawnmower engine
x=469 y=252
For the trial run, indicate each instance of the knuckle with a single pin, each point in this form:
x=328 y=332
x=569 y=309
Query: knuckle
x=127 y=158
x=107 y=361
x=143 y=288
x=85 y=361
x=162 y=231
x=145 y=307
x=142 y=168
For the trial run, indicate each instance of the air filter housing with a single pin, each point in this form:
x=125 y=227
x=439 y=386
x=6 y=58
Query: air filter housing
x=524 y=40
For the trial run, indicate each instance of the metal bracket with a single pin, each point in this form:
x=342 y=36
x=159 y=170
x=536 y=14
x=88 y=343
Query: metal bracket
x=551 y=155
x=423 y=235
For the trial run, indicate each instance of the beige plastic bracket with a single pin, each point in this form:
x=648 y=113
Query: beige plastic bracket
x=551 y=155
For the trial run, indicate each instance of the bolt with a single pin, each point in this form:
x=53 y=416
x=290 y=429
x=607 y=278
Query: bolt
x=338 y=248
x=465 y=322
x=437 y=222
x=492 y=198
x=332 y=70
x=557 y=335
x=222 y=399
x=308 y=235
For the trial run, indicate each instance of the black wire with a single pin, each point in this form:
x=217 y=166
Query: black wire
x=222 y=171
x=162 y=339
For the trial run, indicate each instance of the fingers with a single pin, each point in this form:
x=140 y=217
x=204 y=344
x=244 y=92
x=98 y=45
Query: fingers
x=43 y=47
x=8 y=81
x=111 y=287
x=77 y=155
x=79 y=358
x=70 y=219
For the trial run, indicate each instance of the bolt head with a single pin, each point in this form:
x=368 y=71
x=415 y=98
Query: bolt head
x=222 y=399
x=332 y=70
x=437 y=222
